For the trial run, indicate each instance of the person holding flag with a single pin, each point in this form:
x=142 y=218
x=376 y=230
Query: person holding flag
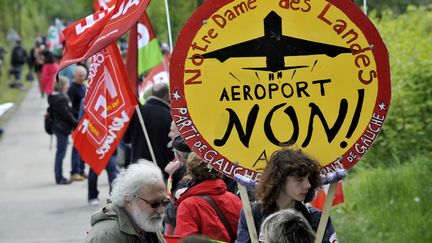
x=290 y=179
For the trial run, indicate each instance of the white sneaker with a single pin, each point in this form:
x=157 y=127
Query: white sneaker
x=93 y=202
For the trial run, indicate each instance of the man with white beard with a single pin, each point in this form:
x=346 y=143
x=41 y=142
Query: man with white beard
x=136 y=211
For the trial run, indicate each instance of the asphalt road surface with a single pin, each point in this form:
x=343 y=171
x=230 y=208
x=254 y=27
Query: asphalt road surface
x=33 y=208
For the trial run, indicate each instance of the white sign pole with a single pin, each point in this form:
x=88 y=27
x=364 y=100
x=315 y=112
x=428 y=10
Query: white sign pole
x=365 y=6
x=169 y=25
x=138 y=110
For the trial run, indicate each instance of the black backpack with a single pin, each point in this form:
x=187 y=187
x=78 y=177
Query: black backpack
x=48 y=122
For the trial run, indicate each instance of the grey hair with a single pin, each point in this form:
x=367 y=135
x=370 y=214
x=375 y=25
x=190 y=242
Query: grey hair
x=130 y=181
x=62 y=81
x=80 y=69
x=287 y=226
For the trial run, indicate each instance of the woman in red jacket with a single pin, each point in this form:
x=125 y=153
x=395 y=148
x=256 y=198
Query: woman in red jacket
x=49 y=71
x=195 y=215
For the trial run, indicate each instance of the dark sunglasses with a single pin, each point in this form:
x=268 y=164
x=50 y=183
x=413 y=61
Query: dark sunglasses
x=164 y=202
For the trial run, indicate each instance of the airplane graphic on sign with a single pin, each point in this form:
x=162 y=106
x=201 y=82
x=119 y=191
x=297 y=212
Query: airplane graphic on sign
x=275 y=46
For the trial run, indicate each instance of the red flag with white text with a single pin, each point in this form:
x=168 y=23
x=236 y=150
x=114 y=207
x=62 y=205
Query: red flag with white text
x=109 y=105
x=94 y=32
x=103 y=4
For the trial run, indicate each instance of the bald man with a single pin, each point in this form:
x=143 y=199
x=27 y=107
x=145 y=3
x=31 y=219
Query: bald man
x=77 y=89
x=76 y=93
x=157 y=119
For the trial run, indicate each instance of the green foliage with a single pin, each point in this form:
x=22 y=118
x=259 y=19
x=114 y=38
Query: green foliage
x=397 y=6
x=31 y=18
x=179 y=11
x=407 y=130
x=387 y=205
x=11 y=95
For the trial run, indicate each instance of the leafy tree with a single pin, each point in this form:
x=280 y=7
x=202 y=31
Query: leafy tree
x=407 y=130
x=179 y=11
x=31 y=18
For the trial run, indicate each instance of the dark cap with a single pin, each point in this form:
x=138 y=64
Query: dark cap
x=180 y=145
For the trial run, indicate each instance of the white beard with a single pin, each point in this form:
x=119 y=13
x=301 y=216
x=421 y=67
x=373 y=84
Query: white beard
x=147 y=222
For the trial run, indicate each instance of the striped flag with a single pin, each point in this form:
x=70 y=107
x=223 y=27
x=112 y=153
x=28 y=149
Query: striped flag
x=149 y=52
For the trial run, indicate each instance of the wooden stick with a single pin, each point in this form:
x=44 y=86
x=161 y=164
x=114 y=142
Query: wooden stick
x=138 y=110
x=248 y=213
x=326 y=212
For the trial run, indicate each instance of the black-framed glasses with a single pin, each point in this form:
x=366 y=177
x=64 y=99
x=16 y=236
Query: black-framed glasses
x=164 y=202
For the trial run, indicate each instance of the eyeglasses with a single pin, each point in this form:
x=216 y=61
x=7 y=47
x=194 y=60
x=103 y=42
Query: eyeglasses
x=164 y=202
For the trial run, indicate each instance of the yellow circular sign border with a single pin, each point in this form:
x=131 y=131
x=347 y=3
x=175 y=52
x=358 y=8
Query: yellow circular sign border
x=205 y=150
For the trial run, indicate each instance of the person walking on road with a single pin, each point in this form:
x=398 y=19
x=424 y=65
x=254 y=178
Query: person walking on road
x=136 y=211
x=63 y=123
x=18 y=59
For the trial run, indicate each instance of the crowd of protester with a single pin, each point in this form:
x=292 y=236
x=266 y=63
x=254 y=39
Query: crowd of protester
x=180 y=193
x=186 y=197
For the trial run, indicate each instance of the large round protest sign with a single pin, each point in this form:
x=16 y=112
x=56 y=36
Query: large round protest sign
x=249 y=77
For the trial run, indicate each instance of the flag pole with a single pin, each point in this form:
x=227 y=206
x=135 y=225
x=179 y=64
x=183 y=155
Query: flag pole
x=169 y=26
x=138 y=110
x=365 y=7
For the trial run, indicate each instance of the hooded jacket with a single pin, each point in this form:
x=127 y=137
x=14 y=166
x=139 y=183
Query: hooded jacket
x=61 y=112
x=113 y=224
x=197 y=216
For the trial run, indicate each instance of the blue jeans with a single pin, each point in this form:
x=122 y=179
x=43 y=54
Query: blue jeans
x=77 y=164
x=111 y=170
x=17 y=71
x=62 y=141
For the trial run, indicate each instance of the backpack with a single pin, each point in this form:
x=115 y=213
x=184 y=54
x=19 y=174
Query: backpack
x=48 y=122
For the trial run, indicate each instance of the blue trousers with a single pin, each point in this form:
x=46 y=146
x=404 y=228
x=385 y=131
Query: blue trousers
x=77 y=164
x=62 y=141
x=17 y=72
x=111 y=170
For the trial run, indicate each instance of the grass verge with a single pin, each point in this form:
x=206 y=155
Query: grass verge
x=387 y=204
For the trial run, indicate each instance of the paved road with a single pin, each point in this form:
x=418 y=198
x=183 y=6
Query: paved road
x=33 y=208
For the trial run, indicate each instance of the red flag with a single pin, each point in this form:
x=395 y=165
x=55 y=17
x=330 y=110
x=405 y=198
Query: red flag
x=94 y=32
x=109 y=106
x=132 y=59
x=103 y=4
x=319 y=200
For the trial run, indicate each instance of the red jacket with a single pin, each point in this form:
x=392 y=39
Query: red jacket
x=197 y=216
